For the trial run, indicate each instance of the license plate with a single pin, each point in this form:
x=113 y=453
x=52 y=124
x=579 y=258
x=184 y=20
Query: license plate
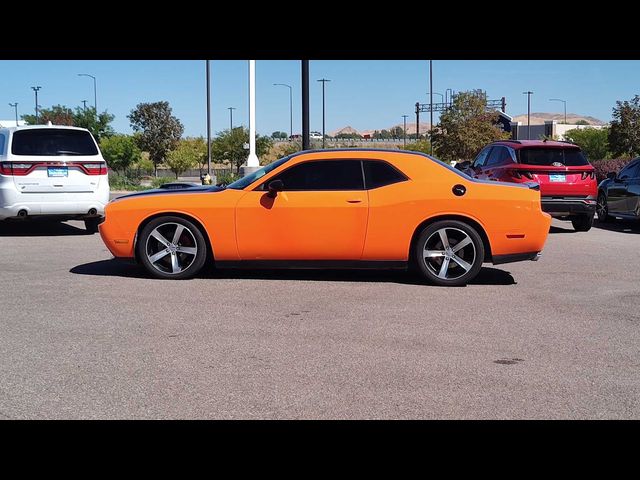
x=58 y=171
x=558 y=178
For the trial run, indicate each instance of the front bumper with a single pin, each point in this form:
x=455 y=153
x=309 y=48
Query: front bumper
x=563 y=206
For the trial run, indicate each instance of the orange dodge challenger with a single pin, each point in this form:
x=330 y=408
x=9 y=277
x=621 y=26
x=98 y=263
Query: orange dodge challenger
x=334 y=208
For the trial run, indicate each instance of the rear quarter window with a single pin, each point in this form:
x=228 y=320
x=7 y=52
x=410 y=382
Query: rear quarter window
x=2 y=144
x=53 y=142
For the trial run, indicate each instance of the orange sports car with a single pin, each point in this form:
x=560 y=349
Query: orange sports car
x=334 y=208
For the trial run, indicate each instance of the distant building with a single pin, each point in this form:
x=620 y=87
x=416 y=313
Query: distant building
x=550 y=129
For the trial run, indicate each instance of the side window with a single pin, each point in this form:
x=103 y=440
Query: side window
x=378 y=174
x=2 y=142
x=481 y=159
x=496 y=156
x=322 y=175
x=630 y=171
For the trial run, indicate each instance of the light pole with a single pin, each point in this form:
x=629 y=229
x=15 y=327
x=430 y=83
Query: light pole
x=436 y=93
x=404 y=130
x=448 y=96
x=15 y=106
x=95 y=91
x=208 y=120
x=231 y=109
x=430 y=107
x=35 y=89
x=323 y=80
x=528 y=94
x=290 y=107
x=565 y=107
x=84 y=105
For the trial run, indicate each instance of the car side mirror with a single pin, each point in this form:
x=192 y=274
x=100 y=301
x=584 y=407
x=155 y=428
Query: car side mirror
x=463 y=165
x=611 y=175
x=275 y=187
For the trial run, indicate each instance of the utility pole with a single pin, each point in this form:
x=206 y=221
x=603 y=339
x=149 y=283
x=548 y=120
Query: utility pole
x=15 y=106
x=323 y=80
x=36 y=89
x=84 y=106
x=305 y=104
x=231 y=109
x=528 y=94
x=404 y=130
x=417 y=121
x=431 y=102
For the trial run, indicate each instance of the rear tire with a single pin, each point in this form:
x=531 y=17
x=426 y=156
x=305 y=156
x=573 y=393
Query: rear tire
x=602 y=209
x=172 y=248
x=91 y=225
x=582 y=223
x=449 y=253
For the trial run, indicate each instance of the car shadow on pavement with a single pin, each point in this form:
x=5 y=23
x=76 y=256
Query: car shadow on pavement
x=118 y=268
x=38 y=228
x=622 y=226
x=555 y=229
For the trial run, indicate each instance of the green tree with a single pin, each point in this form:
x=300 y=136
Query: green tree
x=422 y=146
x=279 y=135
x=582 y=122
x=120 y=152
x=186 y=155
x=100 y=127
x=624 y=132
x=228 y=147
x=159 y=130
x=594 y=142
x=466 y=127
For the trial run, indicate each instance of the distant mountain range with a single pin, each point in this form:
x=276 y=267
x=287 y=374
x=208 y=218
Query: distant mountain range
x=538 y=118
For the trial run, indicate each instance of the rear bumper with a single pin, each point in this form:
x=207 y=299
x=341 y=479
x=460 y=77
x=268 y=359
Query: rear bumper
x=515 y=257
x=559 y=207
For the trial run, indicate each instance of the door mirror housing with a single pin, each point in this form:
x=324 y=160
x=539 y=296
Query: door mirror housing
x=274 y=187
x=462 y=165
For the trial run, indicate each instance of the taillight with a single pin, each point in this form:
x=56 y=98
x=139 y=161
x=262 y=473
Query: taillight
x=520 y=173
x=591 y=175
x=529 y=175
x=95 y=168
x=10 y=168
x=515 y=174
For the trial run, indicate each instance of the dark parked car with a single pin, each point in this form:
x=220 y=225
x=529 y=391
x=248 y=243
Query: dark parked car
x=619 y=194
x=567 y=180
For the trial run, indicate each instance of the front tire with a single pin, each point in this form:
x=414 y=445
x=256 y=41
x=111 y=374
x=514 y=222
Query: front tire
x=449 y=253
x=582 y=223
x=602 y=209
x=172 y=248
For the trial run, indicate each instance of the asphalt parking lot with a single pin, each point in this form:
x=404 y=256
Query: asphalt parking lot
x=86 y=336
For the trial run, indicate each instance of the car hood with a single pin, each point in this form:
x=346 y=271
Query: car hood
x=165 y=191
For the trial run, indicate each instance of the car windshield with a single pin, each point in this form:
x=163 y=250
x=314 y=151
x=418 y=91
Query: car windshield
x=249 y=179
x=53 y=142
x=568 y=157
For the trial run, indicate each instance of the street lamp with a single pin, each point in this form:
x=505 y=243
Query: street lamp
x=35 y=89
x=404 y=130
x=231 y=109
x=15 y=106
x=436 y=93
x=323 y=80
x=448 y=95
x=565 y=107
x=290 y=106
x=95 y=91
x=528 y=94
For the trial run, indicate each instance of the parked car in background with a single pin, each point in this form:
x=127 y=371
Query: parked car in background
x=619 y=193
x=355 y=208
x=52 y=171
x=567 y=180
x=315 y=135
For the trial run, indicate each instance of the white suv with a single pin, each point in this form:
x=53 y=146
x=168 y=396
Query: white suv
x=50 y=170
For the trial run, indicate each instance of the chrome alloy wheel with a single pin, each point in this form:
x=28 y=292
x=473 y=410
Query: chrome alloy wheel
x=171 y=248
x=449 y=253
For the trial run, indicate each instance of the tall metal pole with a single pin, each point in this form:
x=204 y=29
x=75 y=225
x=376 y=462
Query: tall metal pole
x=252 y=161
x=208 y=119
x=231 y=109
x=15 y=106
x=305 y=104
x=404 y=130
x=528 y=94
x=35 y=89
x=323 y=80
x=431 y=105
x=84 y=106
x=290 y=106
x=417 y=120
x=565 y=107
x=95 y=91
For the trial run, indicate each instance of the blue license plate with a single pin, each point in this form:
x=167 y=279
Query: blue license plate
x=58 y=171
x=558 y=178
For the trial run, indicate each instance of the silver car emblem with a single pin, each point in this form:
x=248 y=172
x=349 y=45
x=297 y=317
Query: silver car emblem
x=557 y=164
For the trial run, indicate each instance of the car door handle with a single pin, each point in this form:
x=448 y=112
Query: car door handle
x=354 y=201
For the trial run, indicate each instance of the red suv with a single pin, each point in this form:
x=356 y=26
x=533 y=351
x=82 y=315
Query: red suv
x=567 y=180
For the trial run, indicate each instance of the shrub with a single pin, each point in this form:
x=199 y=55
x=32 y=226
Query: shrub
x=608 y=165
x=226 y=178
x=157 y=181
x=124 y=182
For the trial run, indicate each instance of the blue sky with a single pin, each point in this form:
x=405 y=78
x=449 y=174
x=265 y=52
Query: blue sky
x=363 y=94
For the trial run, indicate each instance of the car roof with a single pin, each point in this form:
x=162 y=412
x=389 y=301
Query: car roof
x=41 y=127
x=518 y=144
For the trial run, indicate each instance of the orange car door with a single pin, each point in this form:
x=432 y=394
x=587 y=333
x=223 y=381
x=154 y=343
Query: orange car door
x=321 y=214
